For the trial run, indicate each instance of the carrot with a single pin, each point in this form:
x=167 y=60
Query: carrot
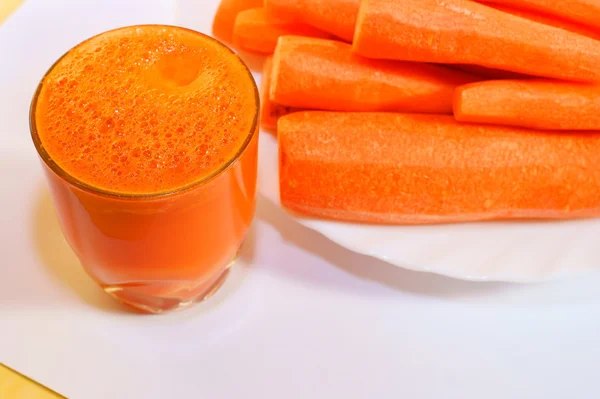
x=224 y=20
x=549 y=20
x=464 y=32
x=534 y=104
x=270 y=112
x=258 y=32
x=419 y=169
x=584 y=12
x=325 y=74
x=337 y=17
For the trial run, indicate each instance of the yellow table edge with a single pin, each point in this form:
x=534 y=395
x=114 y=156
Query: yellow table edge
x=7 y=7
x=14 y=385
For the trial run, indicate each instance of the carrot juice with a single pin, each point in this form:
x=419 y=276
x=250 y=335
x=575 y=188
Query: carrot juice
x=148 y=137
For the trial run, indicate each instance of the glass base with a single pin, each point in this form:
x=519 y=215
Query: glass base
x=161 y=297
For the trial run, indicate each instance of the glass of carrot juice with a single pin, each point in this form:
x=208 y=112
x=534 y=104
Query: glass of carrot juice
x=148 y=138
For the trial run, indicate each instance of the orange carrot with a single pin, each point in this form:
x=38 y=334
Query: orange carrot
x=337 y=17
x=549 y=20
x=534 y=104
x=325 y=74
x=270 y=112
x=417 y=169
x=258 y=32
x=584 y=12
x=224 y=20
x=464 y=32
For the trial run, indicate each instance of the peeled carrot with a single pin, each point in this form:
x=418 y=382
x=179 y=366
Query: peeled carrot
x=224 y=20
x=325 y=74
x=584 y=12
x=258 y=32
x=337 y=17
x=464 y=32
x=270 y=112
x=534 y=16
x=551 y=20
x=418 y=169
x=534 y=104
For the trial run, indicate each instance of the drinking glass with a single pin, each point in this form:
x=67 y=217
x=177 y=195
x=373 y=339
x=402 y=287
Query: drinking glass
x=157 y=252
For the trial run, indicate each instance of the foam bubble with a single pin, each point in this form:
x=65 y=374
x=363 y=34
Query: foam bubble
x=126 y=109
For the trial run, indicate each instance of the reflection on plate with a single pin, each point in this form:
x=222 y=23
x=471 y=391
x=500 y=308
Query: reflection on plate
x=501 y=251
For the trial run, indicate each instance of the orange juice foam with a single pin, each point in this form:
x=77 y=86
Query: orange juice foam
x=143 y=110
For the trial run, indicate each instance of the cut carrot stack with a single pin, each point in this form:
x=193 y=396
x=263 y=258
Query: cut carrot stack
x=417 y=169
x=325 y=74
x=358 y=103
x=533 y=104
x=224 y=20
x=582 y=12
x=464 y=32
x=258 y=32
x=337 y=17
x=270 y=112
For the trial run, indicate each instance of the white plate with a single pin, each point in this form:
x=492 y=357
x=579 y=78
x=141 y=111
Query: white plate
x=307 y=319
x=493 y=251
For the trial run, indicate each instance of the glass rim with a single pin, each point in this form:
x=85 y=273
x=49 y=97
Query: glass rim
x=47 y=159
